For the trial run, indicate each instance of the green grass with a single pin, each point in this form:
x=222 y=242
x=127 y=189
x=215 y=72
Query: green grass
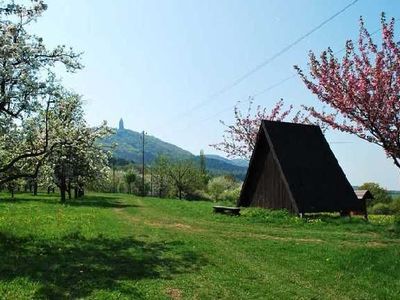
x=125 y=247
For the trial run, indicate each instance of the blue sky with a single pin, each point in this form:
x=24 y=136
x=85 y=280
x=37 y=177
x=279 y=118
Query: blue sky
x=152 y=62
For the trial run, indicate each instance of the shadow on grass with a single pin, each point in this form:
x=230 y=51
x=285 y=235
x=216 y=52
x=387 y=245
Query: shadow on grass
x=91 y=200
x=74 y=266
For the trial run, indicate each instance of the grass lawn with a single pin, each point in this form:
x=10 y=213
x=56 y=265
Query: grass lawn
x=124 y=247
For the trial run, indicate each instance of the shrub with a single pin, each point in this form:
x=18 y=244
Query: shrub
x=231 y=196
x=395 y=206
x=217 y=186
x=381 y=195
x=395 y=227
x=381 y=219
x=381 y=209
x=265 y=215
x=198 y=195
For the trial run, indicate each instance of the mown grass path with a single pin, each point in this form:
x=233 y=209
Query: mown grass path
x=125 y=247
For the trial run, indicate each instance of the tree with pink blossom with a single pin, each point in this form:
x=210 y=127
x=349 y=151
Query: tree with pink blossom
x=239 y=138
x=362 y=88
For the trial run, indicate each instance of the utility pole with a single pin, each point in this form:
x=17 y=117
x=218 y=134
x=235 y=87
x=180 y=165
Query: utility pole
x=151 y=181
x=143 y=191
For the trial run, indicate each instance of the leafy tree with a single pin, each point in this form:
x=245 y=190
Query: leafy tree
x=76 y=156
x=130 y=178
x=217 y=186
x=380 y=194
x=26 y=63
x=160 y=175
x=13 y=186
x=27 y=90
x=363 y=89
x=381 y=209
x=116 y=182
x=45 y=178
x=203 y=169
x=185 y=177
x=395 y=205
x=24 y=147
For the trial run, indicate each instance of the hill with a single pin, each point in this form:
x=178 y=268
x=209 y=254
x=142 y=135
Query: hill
x=236 y=161
x=128 y=146
x=394 y=194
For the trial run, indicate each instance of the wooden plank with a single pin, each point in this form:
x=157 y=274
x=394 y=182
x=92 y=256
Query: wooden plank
x=227 y=210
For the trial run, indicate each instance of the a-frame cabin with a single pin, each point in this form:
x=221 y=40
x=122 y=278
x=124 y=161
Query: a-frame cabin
x=292 y=167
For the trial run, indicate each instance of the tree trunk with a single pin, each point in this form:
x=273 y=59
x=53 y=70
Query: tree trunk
x=180 y=194
x=69 y=191
x=396 y=161
x=35 y=189
x=113 y=173
x=12 y=193
x=63 y=185
x=48 y=190
x=62 y=192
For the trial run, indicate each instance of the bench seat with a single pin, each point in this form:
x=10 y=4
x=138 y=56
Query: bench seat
x=227 y=210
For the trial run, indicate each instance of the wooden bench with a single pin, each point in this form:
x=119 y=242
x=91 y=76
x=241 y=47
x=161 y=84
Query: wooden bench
x=227 y=210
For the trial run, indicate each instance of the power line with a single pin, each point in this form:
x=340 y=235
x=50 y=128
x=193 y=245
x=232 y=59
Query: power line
x=250 y=98
x=266 y=62
x=263 y=91
x=285 y=49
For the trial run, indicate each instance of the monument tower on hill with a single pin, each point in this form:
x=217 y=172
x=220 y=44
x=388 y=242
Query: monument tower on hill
x=121 y=124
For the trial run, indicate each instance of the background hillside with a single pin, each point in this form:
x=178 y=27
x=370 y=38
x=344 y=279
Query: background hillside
x=128 y=146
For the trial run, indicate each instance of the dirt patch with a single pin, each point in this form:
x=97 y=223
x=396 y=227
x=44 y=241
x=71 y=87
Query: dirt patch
x=183 y=226
x=279 y=238
x=373 y=244
x=179 y=226
x=120 y=211
x=363 y=244
x=175 y=294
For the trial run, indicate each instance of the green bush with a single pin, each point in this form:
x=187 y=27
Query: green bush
x=198 y=195
x=381 y=195
x=381 y=209
x=395 y=206
x=395 y=227
x=220 y=187
x=231 y=196
x=266 y=215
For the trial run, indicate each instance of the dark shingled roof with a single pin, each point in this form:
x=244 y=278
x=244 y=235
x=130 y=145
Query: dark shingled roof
x=314 y=178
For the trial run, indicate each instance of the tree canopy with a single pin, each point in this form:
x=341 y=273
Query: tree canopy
x=43 y=133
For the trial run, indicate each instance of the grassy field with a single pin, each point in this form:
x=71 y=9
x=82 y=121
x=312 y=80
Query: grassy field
x=125 y=247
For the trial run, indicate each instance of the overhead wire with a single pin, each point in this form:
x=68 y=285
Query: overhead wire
x=263 y=91
x=264 y=63
x=282 y=51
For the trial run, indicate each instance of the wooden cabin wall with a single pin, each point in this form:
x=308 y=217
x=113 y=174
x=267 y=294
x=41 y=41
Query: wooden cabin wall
x=270 y=191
